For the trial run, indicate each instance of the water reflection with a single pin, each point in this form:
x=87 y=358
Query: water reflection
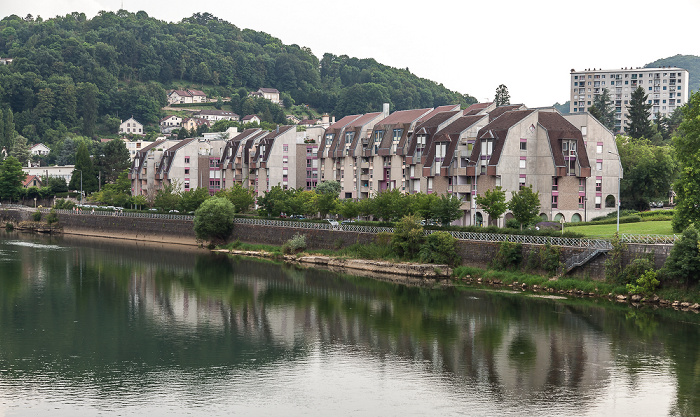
x=91 y=325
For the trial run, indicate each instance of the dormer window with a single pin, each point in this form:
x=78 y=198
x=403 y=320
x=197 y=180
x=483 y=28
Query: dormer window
x=348 y=138
x=378 y=135
x=440 y=151
x=329 y=139
x=397 y=134
x=568 y=149
x=420 y=145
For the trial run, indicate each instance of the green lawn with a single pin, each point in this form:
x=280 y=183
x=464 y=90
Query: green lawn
x=639 y=228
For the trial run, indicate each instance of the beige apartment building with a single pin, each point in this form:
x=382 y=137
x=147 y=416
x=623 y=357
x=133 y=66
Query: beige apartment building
x=666 y=89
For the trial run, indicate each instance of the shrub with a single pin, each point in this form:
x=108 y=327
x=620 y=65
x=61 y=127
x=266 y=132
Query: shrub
x=52 y=217
x=213 y=220
x=9 y=227
x=613 y=264
x=36 y=216
x=550 y=258
x=646 y=284
x=296 y=244
x=509 y=256
x=62 y=204
x=512 y=224
x=383 y=238
x=683 y=264
x=440 y=248
x=635 y=270
x=408 y=237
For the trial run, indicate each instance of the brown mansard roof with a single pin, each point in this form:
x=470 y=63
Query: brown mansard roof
x=559 y=128
x=493 y=114
x=461 y=124
x=498 y=130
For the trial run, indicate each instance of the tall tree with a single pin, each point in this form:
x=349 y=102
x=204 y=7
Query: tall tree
x=20 y=150
x=687 y=146
x=603 y=105
x=11 y=177
x=9 y=125
x=525 y=205
x=447 y=209
x=83 y=164
x=649 y=172
x=113 y=159
x=88 y=93
x=493 y=202
x=639 y=111
x=502 y=96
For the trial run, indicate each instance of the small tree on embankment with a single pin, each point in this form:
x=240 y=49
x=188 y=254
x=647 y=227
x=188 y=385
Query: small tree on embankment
x=213 y=220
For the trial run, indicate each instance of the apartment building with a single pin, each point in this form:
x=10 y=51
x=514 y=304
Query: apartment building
x=666 y=87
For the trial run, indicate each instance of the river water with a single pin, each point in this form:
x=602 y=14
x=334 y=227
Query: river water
x=94 y=327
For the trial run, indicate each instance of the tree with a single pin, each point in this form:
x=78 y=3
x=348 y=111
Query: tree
x=603 y=109
x=57 y=185
x=213 y=220
x=525 y=205
x=113 y=160
x=638 y=125
x=408 y=237
x=447 y=209
x=493 y=202
x=327 y=196
x=687 y=146
x=83 y=164
x=683 y=264
x=502 y=96
x=88 y=93
x=11 y=177
x=20 y=150
x=191 y=200
x=649 y=172
x=242 y=198
x=167 y=198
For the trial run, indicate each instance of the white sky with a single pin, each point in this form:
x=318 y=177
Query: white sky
x=469 y=46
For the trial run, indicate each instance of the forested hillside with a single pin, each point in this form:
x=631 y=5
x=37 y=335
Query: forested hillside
x=687 y=62
x=83 y=75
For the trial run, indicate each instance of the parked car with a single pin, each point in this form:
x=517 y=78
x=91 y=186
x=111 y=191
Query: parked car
x=333 y=223
x=348 y=221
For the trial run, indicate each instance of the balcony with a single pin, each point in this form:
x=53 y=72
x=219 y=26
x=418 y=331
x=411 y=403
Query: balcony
x=462 y=188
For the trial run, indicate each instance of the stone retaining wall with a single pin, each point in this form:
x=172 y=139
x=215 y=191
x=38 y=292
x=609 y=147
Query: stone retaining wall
x=473 y=253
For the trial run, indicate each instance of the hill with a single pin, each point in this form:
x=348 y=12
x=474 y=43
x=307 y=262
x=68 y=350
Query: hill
x=71 y=73
x=688 y=62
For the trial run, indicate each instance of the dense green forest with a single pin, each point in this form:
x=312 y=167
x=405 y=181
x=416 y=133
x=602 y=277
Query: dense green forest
x=687 y=62
x=72 y=74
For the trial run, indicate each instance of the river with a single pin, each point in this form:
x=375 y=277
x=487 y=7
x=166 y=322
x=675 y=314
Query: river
x=96 y=327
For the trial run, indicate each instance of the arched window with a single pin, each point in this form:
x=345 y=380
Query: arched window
x=479 y=220
x=576 y=218
x=609 y=201
x=559 y=218
x=543 y=216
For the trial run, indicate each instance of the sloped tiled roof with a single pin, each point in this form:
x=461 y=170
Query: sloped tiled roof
x=559 y=128
x=498 y=130
x=404 y=116
x=461 y=124
x=440 y=109
x=364 y=119
x=493 y=114
x=268 y=90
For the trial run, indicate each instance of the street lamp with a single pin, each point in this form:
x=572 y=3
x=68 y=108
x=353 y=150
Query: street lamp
x=619 y=179
x=81 y=184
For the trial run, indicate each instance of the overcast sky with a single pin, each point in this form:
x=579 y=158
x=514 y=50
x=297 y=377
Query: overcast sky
x=469 y=46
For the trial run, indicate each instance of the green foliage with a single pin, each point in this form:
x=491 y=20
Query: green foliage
x=638 y=124
x=112 y=160
x=62 y=204
x=242 y=198
x=115 y=194
x=167 y=198
x=213 y=220
x=52 y=217
x=525 y=205
x=687 y=146
x=603 y=109
x=646 y=284
x=36 y=216
x=636 y=269
x=440 y=248
x=390 y=205
x=327 y=196
x=408 y=237
x=649 y=171
x=493 y=202
x=446 y=209
x=191 y=200
x=683 y=264
x=57 y=185
x=294 y=245
x=613 y=263
x=11 y=177
x=550 y=258
x=83 y=163
x=20 y=150
x=509 y=256
x=502 y=97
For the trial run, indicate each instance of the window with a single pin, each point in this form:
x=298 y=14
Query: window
x=581 y=184
x=397 y=134
x=555 y=183
x=187 y=185
x=555 y=201
x=598 y=185
x=599 y=164
x=523 y=163
x=187 y=159
x=597 y=201
x=329 y=139
x=378 y=135
x=521 y=182
x=581 y=201
x=187 y=171
x=523 y=145
x=348 y=137
x=599 y=147
x=285 y=148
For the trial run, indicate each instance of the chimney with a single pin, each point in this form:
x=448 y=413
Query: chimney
x=332 y=119
x=385 y=110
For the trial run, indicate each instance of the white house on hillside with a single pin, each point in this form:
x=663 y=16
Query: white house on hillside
x=39 y=149
x=131 y=126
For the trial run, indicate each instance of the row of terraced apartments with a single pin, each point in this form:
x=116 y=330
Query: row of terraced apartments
x=570 y=160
